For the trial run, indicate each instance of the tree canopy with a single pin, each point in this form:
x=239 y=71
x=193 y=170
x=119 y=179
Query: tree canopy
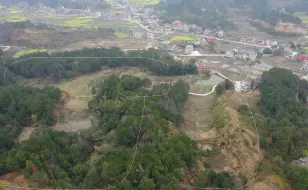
x=284 y=127
x=154 y=61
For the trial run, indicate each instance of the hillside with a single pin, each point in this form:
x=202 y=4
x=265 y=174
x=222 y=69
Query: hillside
x=41 y=36
x=204 y=13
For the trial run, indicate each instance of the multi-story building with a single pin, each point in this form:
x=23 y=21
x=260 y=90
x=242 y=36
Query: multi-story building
x=304 y=66
x=168 y=28
x=220 y=33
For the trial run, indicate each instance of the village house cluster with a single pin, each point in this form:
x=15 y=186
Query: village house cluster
x=261 y=42
x=242 y=54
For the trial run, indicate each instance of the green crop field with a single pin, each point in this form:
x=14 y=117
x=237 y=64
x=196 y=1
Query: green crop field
x=78 y=22
x=30 y=51
x=14 y=19
x=185 y=38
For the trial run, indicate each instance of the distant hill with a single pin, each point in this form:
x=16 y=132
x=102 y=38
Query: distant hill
x=205 y=13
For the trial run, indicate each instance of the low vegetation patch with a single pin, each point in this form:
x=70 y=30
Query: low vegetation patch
x=14 y=19
x=144 y=2
x=185 y=38
x=121 y=35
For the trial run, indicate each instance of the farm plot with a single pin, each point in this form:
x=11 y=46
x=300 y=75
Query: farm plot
x=79 y=22
x=143 y=2
x=185 y=38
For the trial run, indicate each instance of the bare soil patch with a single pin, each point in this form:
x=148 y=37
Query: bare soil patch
x=15 y=179
x=237 y=143
x=26 y=133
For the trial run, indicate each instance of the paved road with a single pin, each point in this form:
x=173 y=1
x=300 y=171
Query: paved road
x=209 y=93
x=6 y=48
x=214 y=87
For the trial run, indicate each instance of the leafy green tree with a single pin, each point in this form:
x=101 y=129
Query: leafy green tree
x=146 y=184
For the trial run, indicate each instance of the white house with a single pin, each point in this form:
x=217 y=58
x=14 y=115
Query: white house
x=220 y=34
x=189 y=49
x=150 y=35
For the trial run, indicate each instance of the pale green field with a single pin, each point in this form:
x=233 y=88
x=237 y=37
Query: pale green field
x=14 y=11
x=185 y=38
x=143 y=2
x=135 y=21
x=121 y=35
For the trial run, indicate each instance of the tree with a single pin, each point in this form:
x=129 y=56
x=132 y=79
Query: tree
x=212 y=46
x=93 y=90
x=146 y=184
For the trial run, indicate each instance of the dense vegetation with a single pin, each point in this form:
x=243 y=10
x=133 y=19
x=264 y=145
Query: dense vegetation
x=62 y=160
x=273 y=17
x=284 y=128
x=218 y=180
x=22 y=106
x=204 y=13
x=156 y=62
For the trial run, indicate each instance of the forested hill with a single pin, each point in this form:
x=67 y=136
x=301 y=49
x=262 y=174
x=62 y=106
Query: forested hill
x=92 y=60
x=285 y=127
x=205 y=13
x=62 y=160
